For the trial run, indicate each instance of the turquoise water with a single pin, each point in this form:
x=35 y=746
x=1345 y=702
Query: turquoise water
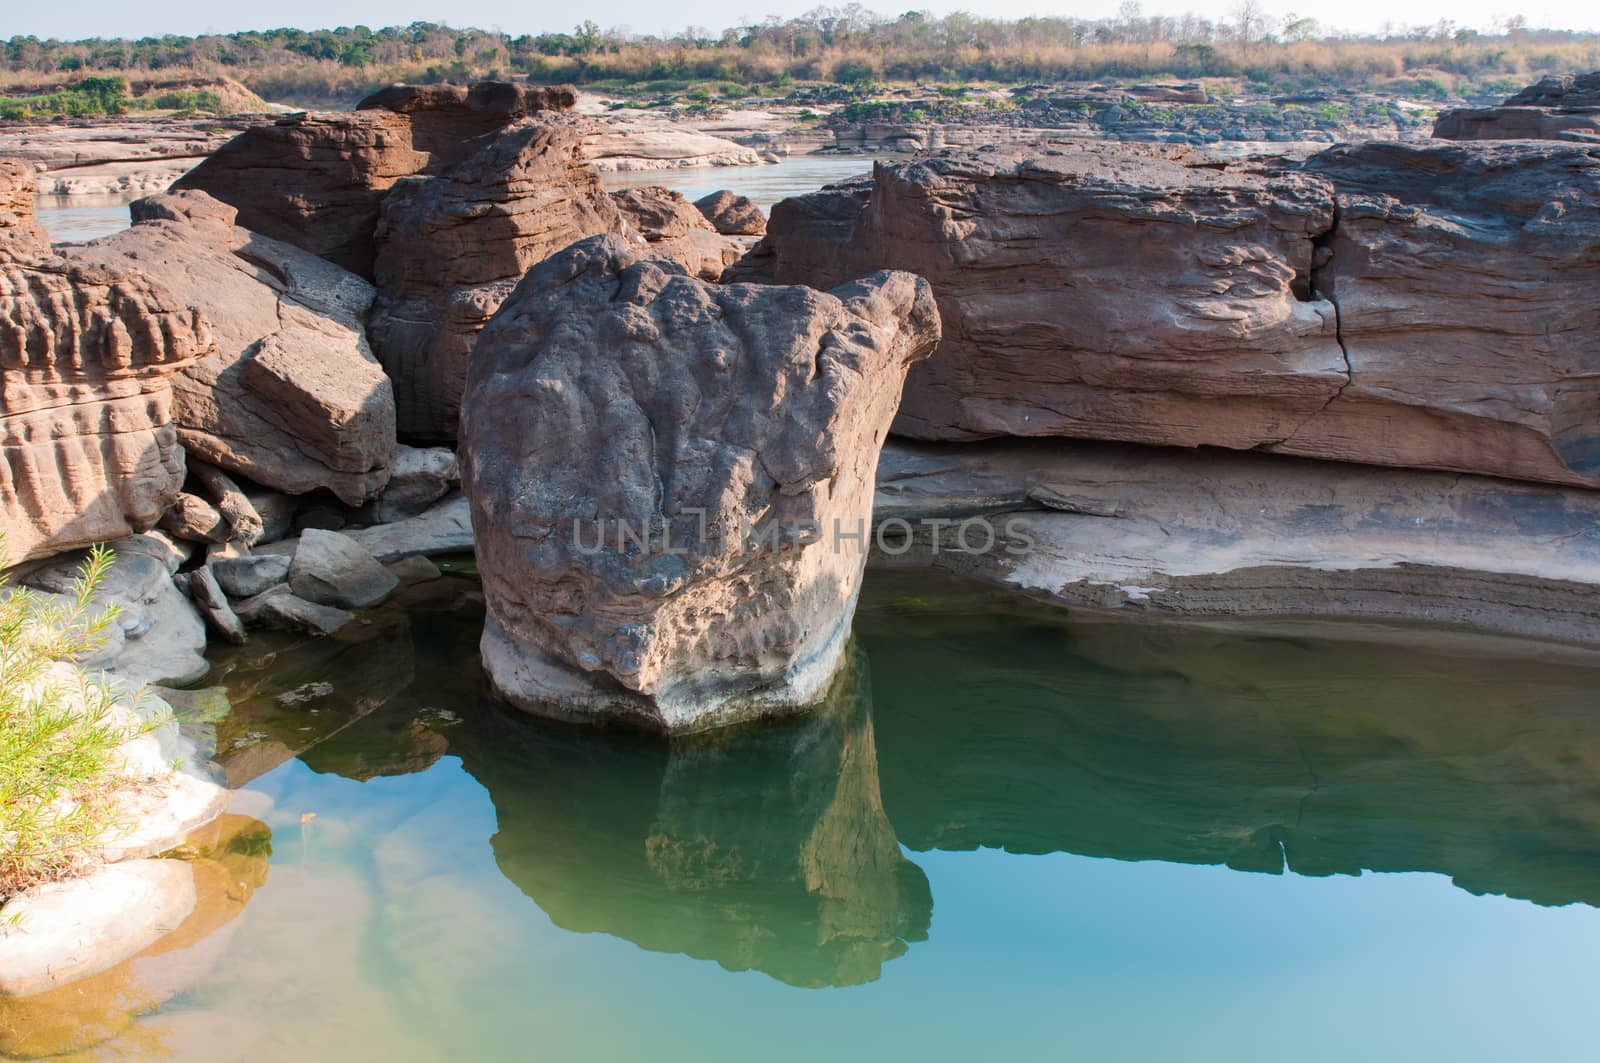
x=1008 y=836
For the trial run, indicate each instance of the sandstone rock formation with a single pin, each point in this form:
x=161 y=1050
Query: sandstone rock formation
x=452 y=246
x=446 y=118
x=1558 y=107
x=292 y=397
x=1207 y=534
x=87 y=356
x=313 y=180
x=728 y=428
x=732 y=214
x=1356 y=308
x=676 y=231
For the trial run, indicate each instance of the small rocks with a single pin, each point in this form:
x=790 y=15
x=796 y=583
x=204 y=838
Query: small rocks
x=245 y=577
x=332 y=569
x=418 y=479
x=446 y=528
x=414 y=569
x=282 y=610
x=194 y=520
x=213 y=606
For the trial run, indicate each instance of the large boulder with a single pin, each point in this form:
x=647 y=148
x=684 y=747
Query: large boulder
x=732 y=214
x=665 y=476
x=1464 y=275
x=313 y=180
x=674 y=229
x=452 y=246
x=1095 y=290
x=445 y=119
x=1557 y=107
x=292 y=397
x=1396 y=305
x=87 y=357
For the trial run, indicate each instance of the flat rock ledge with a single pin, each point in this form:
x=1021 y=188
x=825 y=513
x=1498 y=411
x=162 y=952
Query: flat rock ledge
x=1218 y=536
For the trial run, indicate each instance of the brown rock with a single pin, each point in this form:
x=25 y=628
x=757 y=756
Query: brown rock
x=1036 y=259
x=313 y=180
x=1558 y=107
x=731 y=427
x=451 y=248
x=193 y=519
x=292 y=398
x=87 y=355
x=445 y=118
x=732 y=214
x=1465 y=275
x=1121 y=293
x=676 y=231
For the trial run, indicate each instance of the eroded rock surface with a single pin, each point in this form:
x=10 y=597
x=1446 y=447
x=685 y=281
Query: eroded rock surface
x=451 y=247
x=732 y=214
x=1557 y=107
x=292 y=397
x=1415 y=305
x=87 y=358
x=445 y=118
x=614 y=395
x=674 y=229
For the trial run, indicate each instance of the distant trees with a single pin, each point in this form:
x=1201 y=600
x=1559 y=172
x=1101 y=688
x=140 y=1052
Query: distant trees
x=847 y=44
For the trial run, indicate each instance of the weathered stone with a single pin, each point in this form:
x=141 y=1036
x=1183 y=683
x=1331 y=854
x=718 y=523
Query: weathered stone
x=418 y=479
x=615 y=392
x=445 y=119
x=1464 y=277
x=245 y=577
x=292 y=398
x=1558 y=107
x=277 y=511
x=1033 y=257
x=88 y=451
x=193 y=519
x=244 y=523
x=1434 y=320
x=445 y=528
x=674 y=230
x=332 y=569
x=732 y=214
x=1209 y=534
x=451 y=247
x=280 y=609
x=65 y=931
x=414 y=569
x=213 y=605
x=314 y=180
x=170 y=552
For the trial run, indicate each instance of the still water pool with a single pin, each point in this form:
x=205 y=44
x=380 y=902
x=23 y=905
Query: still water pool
x=1009 y=835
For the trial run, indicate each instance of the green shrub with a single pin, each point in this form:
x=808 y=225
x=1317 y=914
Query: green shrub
x=57 y=733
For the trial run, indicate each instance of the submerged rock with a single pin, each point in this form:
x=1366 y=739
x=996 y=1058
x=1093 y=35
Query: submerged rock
x=88 y=449
x=666 y=476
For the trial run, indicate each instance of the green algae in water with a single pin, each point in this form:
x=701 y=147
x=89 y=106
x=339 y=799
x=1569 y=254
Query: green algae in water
x=1007 y=835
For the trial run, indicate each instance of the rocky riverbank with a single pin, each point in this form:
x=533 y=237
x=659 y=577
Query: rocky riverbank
x=1354 y=383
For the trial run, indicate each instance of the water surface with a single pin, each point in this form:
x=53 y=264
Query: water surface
x=1007 y=835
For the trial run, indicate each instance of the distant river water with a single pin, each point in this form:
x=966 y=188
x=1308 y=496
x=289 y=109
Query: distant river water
x=73 y=219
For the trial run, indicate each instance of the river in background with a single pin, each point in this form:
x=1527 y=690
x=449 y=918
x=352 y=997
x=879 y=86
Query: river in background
x=1007 y=835
x=74 y=219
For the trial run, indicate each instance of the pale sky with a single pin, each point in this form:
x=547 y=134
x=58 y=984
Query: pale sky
x=118 y=18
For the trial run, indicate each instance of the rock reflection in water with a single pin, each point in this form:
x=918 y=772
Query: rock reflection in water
x=765 y=849
x=1003 y=726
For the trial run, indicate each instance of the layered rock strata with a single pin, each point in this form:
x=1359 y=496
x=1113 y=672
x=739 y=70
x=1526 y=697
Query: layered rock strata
x=88 y=354
x=1558 y=107
x=1393 y=304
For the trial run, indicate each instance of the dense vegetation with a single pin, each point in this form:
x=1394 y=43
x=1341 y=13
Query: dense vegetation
x=57 y=735
x=107 y=94
x=848 y=46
